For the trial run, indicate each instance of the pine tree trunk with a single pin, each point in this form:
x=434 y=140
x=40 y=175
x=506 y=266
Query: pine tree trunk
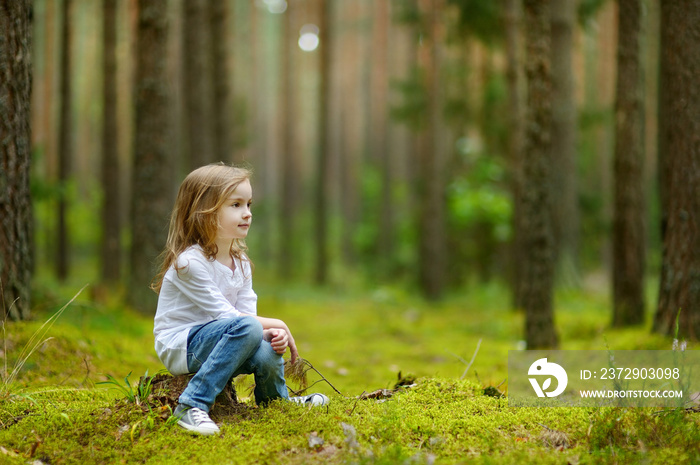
x=628 y=221
x=350 y=130
x=16 y=217
x=380 y=130
x=323 y=149
x=538 y=240
x=512 y=20
x=152 y=168
x=111 y=207
x=564 y=128
x=65 y=150
x=352 y=133
x=290 y=194
x=198 y=95
x=679 y=103
x=219 y=21
x=431 y=217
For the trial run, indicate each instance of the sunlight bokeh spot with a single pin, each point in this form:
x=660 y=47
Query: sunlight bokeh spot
x=308 y=37
x=273 y=6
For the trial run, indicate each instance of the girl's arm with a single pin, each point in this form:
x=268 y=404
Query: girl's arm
x=274 y=323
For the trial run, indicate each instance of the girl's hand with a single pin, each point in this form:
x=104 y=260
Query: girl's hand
x=273 y=324
x=293 y=349
x=278 y=339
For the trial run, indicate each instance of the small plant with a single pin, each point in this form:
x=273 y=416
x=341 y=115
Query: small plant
x=137 y=394
x=7 y=390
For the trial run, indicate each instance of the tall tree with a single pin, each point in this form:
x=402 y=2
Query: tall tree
x=323 y=149
x=628 y=220
x=65 y=134
x=151 y=174
x=380 y=128
x=111 y=207
x=679 y=153
x=289 y=199
x=512 y=17
x=564 y=127
x=198 y=95
x=431 y=182
x=219 y=24
x=350 y=128
x=537 y=234
x=16 y=218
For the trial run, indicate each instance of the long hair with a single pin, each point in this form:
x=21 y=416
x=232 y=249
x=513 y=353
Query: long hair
x=194 y=220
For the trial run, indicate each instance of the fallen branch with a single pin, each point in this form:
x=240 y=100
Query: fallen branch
x=297 y=372
x=478 y=344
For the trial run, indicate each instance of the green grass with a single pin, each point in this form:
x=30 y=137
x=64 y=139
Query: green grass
x=58 y=413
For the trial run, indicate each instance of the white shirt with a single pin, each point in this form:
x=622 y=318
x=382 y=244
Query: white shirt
x=202 y=291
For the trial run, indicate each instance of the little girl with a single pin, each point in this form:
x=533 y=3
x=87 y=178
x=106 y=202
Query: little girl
x=206 y=321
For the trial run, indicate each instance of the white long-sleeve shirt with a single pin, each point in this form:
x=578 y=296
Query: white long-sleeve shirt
x=202 y=291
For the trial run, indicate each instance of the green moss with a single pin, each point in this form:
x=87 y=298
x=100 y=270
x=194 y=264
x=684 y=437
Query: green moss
x=55 y=412
x=439 y=419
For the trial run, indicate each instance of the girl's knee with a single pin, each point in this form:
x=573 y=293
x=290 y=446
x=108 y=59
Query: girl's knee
x=249 y=327
x=268 y=359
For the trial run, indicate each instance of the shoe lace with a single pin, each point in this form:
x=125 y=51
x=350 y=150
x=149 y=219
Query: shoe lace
x=199 y=416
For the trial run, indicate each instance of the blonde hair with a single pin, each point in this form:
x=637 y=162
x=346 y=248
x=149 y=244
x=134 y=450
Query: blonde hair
x=194 y=220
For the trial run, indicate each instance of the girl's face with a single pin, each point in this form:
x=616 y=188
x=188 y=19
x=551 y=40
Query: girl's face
x=235 y=215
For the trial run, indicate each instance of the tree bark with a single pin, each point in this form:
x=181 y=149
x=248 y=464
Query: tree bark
x=111 y=207
x=564 y=128
x=219 y=21
x=538 y=240
x=380 y=130
x=198 y=93
x=151 y=175
x=679 y=142
x=512 y=20
x=323 y=149
x=629 y=249
x=65 y=151
x=431 y=217
x=16 y=217
x=290 y=191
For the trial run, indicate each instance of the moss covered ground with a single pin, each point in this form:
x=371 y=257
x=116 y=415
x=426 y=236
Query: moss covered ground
x=54 y=411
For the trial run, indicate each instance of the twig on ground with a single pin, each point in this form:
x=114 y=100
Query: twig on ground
x=297 y=372
x=469 y=364
x=478 y=344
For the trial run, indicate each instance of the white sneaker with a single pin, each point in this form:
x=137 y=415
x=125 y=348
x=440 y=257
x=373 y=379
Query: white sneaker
x=312 y=399
x=195 y=419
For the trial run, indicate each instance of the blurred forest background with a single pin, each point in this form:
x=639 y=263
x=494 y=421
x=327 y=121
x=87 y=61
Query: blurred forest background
x=433 y=145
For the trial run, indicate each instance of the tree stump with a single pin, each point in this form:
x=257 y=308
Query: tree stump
x=167 y=388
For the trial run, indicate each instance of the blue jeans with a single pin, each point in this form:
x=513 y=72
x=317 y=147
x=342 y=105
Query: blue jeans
x=222 y=349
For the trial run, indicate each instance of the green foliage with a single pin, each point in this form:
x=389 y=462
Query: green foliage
x=478 y=18
x=83 y=199
x=136 y=395
x=587 y=9
x=366 y=232
x=412 y=110
x=479 y=214
x=480 y=197
x=406 y=12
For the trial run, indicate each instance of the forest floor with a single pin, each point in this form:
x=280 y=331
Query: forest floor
x=54 y=410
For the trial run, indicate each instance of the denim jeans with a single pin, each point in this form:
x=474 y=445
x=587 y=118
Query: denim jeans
x=222 y=349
